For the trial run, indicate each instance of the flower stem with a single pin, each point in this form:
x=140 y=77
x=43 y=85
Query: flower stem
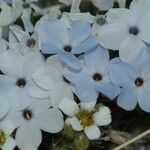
x=75 y=6
x=132 y=140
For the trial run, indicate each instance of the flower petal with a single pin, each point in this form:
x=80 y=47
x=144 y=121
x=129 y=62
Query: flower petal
x=143 y=96
x=9 y=63
x=28 y=134
x=92 y=132
x=70 y=60
x=69 y=107
x=112 y=35
x=74 y=122
x=127 y=98
x=86 y=45
x=50 y=120
x=88 y=105
x=79 y=31
x=130 y=48
x=63 y=89
x=103 y=116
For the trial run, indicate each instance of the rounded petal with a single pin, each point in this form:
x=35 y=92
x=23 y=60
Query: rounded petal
x=69 y=107
x=53 y=32
x=79 y=31
x=86 y=91
x=127 y=99
x=92 y=132
x=56 y=62
x=130 y=48
x=88 y=105
x=50 y=120
x=145 y=35
x=71 y=60
x=34 y=91
x=103 y=116
x=112 y=35
x=43 y=81
x=120 y=72
x=6 y=83
x=143 y=96
x=100 y=60
x=121 y=15
x=9 y=63
x=63 y=89
x=28 y=134
x=86 y=45
x=74 y=122
x=32 y=61
x=109 y=89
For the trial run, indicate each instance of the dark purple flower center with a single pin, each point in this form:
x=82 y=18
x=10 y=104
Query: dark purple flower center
x=101 y=21
x=97 y=77
x=139 y=82
x=21 y=82
x=27 y=114
x=67 y=48
x=134 y=30
x=31 y=43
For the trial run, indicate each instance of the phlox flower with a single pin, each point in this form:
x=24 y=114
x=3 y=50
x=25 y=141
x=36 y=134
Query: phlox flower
x=31 y=120
x=16 y=81
x=127 y=31
x=134 y=80
x=57 y=38
x=93 y=76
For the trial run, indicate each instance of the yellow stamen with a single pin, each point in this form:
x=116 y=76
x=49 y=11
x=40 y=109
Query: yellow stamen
x=2 y=137
x=85 y=117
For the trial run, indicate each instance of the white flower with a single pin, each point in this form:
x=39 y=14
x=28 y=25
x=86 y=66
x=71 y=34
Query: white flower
x=6 y=142
x=22 y=41
x=51 y=79
x=17 y=82
x=127 y=31
x=34 y=118
x=85 y=117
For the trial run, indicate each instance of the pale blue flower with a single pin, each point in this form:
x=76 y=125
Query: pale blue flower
x=57 y=38
x=135 y=82
x=93 y=77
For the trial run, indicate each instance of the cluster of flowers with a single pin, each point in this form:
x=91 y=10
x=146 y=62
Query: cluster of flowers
x=38 y=93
